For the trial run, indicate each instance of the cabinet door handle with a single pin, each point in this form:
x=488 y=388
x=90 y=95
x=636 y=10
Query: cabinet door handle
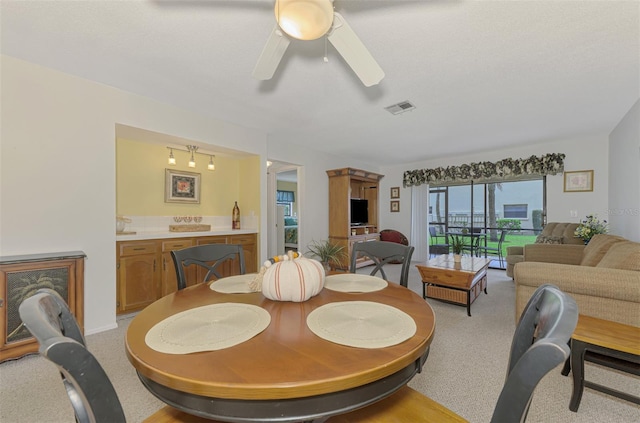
x=139 y=249
x=154 y=265
x=164 y=264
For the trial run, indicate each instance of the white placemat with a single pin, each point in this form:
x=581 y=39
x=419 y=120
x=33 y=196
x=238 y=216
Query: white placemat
x=208 y=328
x=354 y=282
x=362 y=324
x=239 y=284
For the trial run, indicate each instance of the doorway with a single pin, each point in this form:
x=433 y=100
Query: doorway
x=283 y=208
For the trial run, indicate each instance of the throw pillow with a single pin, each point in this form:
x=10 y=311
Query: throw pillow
x=622 y=255
x=391 y=235
x=597 y=248
x=544 y=239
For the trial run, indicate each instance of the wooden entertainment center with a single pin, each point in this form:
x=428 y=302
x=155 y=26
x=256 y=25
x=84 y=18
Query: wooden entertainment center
x=345 y=184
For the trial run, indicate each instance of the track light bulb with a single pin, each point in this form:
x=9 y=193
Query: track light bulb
x=172 y=160
x=211 y=166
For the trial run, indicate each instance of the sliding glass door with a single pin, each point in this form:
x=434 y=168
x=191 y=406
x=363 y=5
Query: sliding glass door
x=516 y=207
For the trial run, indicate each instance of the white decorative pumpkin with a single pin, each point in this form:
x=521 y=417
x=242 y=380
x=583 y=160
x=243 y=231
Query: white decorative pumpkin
x=293 y=279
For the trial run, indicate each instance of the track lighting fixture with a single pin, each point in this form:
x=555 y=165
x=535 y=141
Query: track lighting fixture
x=192 y=150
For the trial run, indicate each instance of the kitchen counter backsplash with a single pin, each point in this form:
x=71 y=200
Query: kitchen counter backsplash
x=155 y=224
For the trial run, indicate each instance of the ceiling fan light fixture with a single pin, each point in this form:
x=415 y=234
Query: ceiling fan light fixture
x=304 y=19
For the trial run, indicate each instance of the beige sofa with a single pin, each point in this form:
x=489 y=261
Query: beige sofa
x=559 y=232
x=603 y=277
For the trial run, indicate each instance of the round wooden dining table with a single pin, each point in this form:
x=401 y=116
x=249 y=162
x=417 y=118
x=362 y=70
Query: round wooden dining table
x=286 y=373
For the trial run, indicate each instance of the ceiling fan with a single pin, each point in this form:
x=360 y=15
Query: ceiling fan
x=310 y=20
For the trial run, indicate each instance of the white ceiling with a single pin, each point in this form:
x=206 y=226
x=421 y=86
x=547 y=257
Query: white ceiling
x=482 y=74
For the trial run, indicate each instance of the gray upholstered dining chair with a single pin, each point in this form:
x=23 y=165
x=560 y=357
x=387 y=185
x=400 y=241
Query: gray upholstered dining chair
x=92 y=395
x=208 y=256
x=540 y=344
x=381 y=253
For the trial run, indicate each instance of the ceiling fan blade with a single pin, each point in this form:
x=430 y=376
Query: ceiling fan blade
x=271 y=55
x=354 y=52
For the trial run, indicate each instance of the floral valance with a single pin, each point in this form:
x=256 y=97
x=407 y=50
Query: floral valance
x=285 y=196
x=502 y=170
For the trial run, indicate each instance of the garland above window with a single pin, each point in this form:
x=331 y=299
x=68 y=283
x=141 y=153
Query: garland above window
x=502 y=170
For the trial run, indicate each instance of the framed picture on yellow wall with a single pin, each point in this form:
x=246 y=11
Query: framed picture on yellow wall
x=181 y=187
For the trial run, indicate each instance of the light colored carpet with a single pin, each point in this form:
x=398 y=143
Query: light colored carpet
x=465 y=370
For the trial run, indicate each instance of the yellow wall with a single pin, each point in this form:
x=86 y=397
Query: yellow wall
x=249 y=185
x=140 y=179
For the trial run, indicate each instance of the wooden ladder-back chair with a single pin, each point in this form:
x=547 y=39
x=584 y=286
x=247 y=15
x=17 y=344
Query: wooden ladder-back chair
x=540 y=344
x=204 y=255
x=381 y=253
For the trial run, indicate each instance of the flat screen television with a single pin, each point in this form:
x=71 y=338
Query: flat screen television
x=359 y=212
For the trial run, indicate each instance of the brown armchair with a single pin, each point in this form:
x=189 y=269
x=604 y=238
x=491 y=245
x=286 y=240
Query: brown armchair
x=553 y=233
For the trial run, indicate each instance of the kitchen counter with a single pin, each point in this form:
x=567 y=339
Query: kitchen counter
x=167 y=234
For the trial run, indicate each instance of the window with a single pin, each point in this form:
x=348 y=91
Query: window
x=515 y=211
x=286 y=199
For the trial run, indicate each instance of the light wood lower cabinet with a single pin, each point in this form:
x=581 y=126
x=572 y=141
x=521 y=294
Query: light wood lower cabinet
x=250 y=249
x=145 y=269
x=169 y=278
x=21 y=277
x=138 y=275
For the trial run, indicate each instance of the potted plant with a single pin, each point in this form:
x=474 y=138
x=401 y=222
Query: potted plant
x=457 y=245
x=327 y=253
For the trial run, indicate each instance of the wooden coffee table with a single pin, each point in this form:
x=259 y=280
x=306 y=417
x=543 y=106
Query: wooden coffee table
x=457 y=283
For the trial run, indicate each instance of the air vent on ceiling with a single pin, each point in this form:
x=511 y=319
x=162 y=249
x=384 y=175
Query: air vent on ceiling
x=403 y=106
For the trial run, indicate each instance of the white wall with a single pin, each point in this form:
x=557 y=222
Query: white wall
x=624 y=176
x=584 y=153
x=313 y=186
x=57 y=168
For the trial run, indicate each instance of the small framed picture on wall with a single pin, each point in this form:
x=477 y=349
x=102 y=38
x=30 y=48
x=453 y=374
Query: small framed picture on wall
x=395 y=206
x=181 y=187
x=578 y=181
x=395 y=192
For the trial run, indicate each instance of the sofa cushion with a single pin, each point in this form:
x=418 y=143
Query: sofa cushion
x=597 y=248
x=565 y=230
x=543 y=239
x=622 y=255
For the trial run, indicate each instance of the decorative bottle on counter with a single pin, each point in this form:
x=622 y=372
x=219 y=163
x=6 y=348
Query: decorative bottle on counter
x=235 y=220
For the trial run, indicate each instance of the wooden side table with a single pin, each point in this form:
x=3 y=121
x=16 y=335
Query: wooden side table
x=608 y=344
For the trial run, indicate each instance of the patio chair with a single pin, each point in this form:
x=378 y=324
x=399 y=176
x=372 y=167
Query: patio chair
x=494 y=250
x=474 y=243
x=381 y=253
x=540 y=344
x=434 y=247
x=204 y=255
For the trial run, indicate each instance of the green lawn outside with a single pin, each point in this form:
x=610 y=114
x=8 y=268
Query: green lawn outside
x=512 y=240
